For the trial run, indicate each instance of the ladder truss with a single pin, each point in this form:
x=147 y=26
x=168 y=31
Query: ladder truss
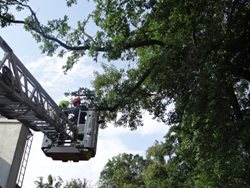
x=24 y=99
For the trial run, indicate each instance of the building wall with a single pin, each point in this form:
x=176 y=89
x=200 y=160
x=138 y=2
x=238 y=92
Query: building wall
x=12 y=142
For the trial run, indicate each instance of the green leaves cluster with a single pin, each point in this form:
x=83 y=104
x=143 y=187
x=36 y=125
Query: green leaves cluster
x=59 y=183
x=124 y=170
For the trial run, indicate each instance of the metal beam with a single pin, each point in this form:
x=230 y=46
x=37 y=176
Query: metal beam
x=23 y=98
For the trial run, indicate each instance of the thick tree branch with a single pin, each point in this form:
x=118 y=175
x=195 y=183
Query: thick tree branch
x=39 y=30
x=148 y=42
x=235 y=103
x=230 y=15
x=10 y=20
x=136 y=44
x=130 y=91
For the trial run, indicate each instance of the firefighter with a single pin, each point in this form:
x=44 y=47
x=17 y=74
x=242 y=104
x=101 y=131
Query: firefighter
x=64 y=104
x=77 y=106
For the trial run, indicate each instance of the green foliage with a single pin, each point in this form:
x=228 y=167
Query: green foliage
x=124 y=170
x=77 y=183
x=193 y=55
x=155 y=175
x=51 y=182
x=197 y=70
x=58 y=182
x=71 y=2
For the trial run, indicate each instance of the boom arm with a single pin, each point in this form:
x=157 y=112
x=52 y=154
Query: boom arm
x=24 y=99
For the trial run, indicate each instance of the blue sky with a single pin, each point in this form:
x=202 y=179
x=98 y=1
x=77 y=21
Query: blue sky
x=47 y=70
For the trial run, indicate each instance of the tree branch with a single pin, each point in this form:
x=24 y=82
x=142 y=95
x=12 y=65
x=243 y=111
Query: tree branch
x=235 y=103
x=130 y=92
x=230 y=15
x=136 y=44
x=148 y=42
x=39 y=30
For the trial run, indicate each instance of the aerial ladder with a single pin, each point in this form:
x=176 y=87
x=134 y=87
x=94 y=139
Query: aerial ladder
x=23 y=98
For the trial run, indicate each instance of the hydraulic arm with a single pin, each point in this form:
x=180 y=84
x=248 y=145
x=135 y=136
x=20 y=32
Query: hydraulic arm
x=24 y=99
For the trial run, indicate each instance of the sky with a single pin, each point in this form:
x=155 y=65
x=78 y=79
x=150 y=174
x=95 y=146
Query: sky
x=48 y=71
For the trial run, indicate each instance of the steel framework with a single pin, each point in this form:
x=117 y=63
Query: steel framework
x=24 y=99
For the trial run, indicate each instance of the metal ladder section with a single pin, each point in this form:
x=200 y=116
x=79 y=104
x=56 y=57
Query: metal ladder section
x=24 y=161
x=24 y=99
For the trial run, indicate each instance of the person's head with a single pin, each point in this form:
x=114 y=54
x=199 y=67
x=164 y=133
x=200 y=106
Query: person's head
x=76 y=101
x=63 y=104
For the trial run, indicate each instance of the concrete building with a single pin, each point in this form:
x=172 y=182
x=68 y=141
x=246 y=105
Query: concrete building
x=13 y=136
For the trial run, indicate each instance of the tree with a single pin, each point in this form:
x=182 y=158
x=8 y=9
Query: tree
x=53 y=182
x=194 y=55
x=124 y=170
x=155 y=174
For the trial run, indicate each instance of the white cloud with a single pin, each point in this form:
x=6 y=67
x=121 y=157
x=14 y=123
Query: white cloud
x=48 y=71
x=152 y=126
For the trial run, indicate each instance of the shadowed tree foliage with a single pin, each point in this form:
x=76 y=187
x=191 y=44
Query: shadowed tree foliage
x=156 y=175
x=193 y=54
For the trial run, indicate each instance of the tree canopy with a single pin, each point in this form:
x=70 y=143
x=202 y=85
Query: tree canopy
x=124 y=170
x=57 y=182
x=193 y=54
